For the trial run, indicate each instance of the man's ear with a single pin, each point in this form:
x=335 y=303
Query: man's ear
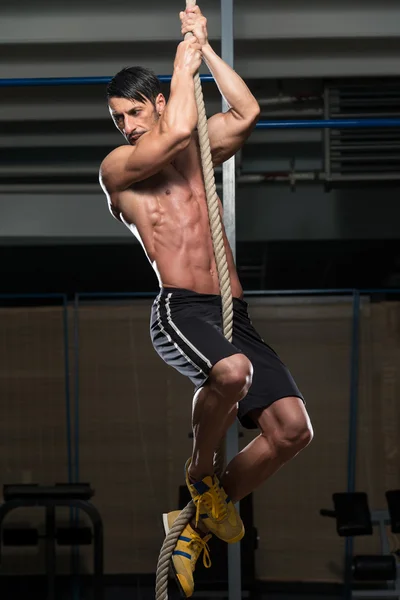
x=160 y=104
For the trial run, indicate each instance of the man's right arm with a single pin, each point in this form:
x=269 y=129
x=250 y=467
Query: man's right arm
x=155 y=149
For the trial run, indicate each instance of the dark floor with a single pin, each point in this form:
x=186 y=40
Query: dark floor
x=142 y=588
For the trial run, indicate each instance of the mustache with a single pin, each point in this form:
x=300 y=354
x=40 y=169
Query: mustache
x=135 y=136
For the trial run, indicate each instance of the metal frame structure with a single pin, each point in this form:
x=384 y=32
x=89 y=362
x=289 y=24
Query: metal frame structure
x=326 y=123
x=355 y=296
x=381 y=518
x=229 y=200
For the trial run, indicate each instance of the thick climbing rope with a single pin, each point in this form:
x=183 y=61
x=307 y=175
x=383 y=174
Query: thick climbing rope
x=214 y=217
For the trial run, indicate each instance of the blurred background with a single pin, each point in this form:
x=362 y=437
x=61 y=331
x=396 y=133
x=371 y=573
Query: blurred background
x=84 y=397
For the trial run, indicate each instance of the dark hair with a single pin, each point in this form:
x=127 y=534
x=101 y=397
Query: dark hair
x=134 y=83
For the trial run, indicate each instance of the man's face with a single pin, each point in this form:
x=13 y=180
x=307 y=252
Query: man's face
x=134 y=118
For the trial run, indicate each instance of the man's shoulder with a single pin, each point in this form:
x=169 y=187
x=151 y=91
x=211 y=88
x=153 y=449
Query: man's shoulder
x=112 y=166
x=116 y=154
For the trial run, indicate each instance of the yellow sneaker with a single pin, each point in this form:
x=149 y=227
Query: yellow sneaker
x=215 y=509
x=187 y=550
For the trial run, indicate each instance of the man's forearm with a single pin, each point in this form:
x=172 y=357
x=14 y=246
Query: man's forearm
x=181 y=109
x=230 y=84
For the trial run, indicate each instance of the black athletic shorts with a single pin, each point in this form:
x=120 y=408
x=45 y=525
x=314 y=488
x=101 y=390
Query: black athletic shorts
x=186 y=331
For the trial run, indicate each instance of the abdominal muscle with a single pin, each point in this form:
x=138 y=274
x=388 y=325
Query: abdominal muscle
x=173 y=227
x=191 y=264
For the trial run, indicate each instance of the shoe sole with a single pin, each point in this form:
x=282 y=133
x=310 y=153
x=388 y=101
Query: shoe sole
x=172 y=567
x=234 y=540
x=237 y=538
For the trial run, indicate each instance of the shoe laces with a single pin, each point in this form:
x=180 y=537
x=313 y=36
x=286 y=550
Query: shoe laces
x=198 y=545
x=213 y=502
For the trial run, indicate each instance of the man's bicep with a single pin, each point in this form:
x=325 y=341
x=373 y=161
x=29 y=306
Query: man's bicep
x=114 y=170
x=127 y=165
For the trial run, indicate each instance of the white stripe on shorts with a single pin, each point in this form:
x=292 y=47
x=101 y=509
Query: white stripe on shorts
x=171 y=341
x=170 y=321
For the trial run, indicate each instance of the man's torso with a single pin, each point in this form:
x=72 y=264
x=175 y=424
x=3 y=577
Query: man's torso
x=168 y=214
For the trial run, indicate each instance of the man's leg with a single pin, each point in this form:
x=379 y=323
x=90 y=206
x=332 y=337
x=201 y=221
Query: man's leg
x=285 y=430
x=214 y=409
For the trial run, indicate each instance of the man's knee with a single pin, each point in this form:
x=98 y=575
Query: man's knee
x=231 y=377
x=294 y=435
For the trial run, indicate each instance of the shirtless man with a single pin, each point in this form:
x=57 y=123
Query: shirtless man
x=155 y=187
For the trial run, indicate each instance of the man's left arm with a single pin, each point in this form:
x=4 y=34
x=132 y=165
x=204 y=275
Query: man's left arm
x=227 y=131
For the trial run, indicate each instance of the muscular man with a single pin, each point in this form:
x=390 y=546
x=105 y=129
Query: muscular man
x=154 y=186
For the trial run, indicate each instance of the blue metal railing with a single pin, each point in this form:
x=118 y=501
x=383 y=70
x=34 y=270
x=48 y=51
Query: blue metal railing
x=67 y=388
x=76 y=390
x=263 y=124
x=62 y=81
x=329 y=124
x=352 y=432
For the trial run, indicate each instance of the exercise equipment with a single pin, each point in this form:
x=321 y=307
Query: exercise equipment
x=353 y=518
x=76 y=496
x=393 y=500
x=352 y=514
x=374 y=568
x=64 y=536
